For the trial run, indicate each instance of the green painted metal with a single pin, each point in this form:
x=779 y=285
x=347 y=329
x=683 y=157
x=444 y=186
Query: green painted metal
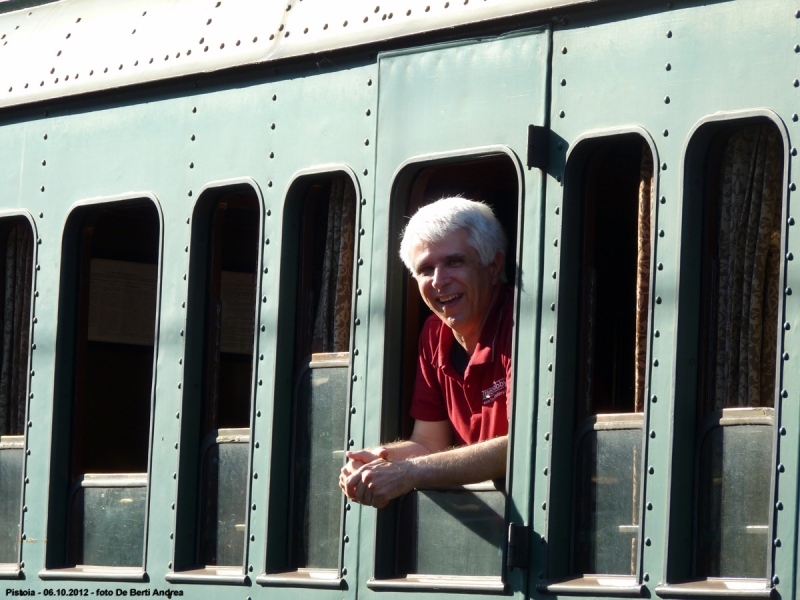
x=425 y=104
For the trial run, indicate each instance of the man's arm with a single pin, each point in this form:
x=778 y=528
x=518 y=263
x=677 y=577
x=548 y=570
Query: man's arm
x=378 y=482
x=428 y=437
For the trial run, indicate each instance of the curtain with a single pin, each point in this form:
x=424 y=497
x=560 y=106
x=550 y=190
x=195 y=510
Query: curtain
x=748 y=272
x=643 y=274
x=332 y=322
x=16 y=320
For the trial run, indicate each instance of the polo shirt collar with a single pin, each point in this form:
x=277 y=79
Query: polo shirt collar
x=484 y=351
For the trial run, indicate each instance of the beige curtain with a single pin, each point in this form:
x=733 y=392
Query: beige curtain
x=749 y=249
x=16 y=320
x=643 y=274
x=332 y=322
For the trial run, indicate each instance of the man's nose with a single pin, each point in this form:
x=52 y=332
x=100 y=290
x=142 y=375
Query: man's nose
x=440 y=277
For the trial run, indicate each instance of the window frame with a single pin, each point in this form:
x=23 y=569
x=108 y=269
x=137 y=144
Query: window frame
x=13 y=570
x=191 y=403
x=402 y=182
x=679 y=581
x=562 y=426
x=55 y=556
x=278 y=535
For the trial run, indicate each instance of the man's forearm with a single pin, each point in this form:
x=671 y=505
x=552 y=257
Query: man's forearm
x=405 y=449
x=459 y=466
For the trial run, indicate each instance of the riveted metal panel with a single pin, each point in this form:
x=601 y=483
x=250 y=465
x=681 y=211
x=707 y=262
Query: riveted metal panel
x=663 y=68
x=463 y=100
x=51 y=51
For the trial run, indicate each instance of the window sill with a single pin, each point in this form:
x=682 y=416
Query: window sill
x=717 y=588
x=10 y=570
x=305 y=578
x=597 y=585
x=223 y=575
x=95 y=573
x=434 y=583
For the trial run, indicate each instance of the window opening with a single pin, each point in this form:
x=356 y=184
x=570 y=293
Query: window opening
x=741 y=306
x=115 y=296
x=16 y=271
x=318 y=259
x=218 y=377
x=471 y=517
x=612 y=357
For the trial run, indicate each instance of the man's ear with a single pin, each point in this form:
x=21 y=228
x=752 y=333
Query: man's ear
x=497 y=266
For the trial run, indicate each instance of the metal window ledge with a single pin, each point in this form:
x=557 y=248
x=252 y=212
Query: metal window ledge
x=304 y=578
x=433 y=583
x=10 y=570
x=219 y=575
x=597 y=585
x=95 y=573
x=717 y=588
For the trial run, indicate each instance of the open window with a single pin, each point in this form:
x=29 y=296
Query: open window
x=730 y=329
x=16 y=275
x=472 y=518
x=313 y=381
x=594 y=504
x=104 y=389
x=218 y=385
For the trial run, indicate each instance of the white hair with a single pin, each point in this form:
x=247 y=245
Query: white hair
x=433 y=222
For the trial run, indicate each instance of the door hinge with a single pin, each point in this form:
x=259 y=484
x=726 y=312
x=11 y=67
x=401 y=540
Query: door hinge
x=538 y=146
x=519 y=543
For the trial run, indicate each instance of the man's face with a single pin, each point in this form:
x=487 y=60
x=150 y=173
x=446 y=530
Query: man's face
x=454 y=283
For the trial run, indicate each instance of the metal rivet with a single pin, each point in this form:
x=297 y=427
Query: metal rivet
x=258 y=413
x=352 y=410
x=544 y=471
x=646 y=576
x=564 y=50
x=563 y=82
x=666 y=133
x=544 y=505
x=41 y=215
x=30 y=423
x=548 y=401
x=552 y=306
x=179 y=386
x=27 y=480
x=655 y=362
x=263 y=328
x=782 y=431
x=355 y=377
x=358 y=321
x=663 y=166
x=174 y=475
x=654 y=398
x=658 y=300
x=792 y=187
x=346 y=539
x=347 y=506
x=555 y=242
x=660 y=266
x=177 y=415
x=784 y=393
x=42 y=188
x=547 y=436
x=647 y=541
x=663 y=199
x=33 y=372
x=669 y=33
x=651 y=470
x=666 y=100
x=365 y=171
x=362 y=231
x=668 y=67
x=785 y=356
x=660 y=233
x=649 y=506
x=779 y=505
x=562 y=114
x=795 y=117
x=550 y=367
x=652 y=433
x=796 y=82
x=788 y=291
x=550 y=339
x=369 y=81
x=791 y=221
x=256 y=445
x=263 y=298
x=260 y=382
x=781 y=468
x=351 y=442
x=255 y=475
x=777 y=542
x=775 y=580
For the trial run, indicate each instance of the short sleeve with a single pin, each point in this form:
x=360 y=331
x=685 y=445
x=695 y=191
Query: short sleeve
x=427 y=403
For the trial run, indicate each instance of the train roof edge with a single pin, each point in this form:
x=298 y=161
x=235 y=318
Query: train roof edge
x=73 y=47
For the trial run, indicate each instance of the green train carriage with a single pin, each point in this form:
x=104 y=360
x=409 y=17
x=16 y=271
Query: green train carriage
x=200 y=206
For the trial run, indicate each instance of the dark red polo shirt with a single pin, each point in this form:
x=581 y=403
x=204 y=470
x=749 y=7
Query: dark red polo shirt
x=476 y=404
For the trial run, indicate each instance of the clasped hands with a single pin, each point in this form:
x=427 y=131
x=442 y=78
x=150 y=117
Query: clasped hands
x=371 y=478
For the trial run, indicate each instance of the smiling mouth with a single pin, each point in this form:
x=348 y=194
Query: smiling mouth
x=445 y=300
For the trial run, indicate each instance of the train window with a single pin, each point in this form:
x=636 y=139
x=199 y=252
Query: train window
x=472 y=518
x=734 y=201
x=317 y=265
x=218 y=382
x=104 y=386
x=16 y=273
x=601 y=360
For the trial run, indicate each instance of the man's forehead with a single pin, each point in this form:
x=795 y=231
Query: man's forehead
x=454 y=244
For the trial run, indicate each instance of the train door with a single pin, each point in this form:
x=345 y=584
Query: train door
x=453 y=119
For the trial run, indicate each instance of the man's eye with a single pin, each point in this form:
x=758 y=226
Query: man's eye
x=425 y=271
x=454 y=262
